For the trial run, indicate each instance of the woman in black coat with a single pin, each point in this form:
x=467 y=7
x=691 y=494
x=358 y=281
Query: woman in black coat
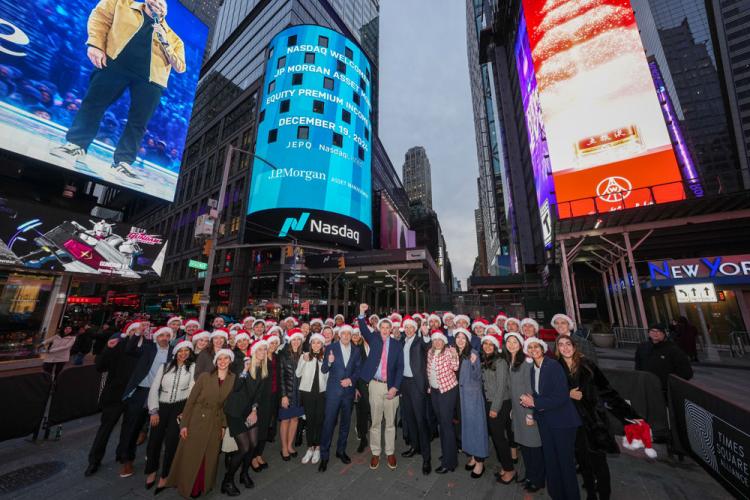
x=291 y=406
x=244 y=408
x=592 y=395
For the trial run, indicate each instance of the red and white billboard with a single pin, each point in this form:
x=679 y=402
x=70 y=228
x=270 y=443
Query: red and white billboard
x=608 y=144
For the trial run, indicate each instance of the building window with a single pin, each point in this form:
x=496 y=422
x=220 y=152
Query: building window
x=284 y=106
x=338 y=139
x=310 y=57
x=291 y=41
x=355 y=97
x=297 y=79
x=348 y=53
x=270 y=52
x=303 y=133
x=361 y=153
x=341 y=66
x=281 y=62
x=367 y=73
x=327 y=83
x=318 y=107
x=362 y=84
x=272 y=134
x=272 y=86
x=346 y=116
x=262 y=115
x=367 y=133
x=323 y=41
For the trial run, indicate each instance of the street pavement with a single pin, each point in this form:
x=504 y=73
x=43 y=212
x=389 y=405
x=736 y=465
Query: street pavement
x=54 y=469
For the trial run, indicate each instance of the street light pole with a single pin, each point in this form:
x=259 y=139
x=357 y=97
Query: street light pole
x=205 y=296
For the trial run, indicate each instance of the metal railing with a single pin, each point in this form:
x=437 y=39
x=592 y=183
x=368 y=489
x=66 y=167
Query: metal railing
x=738 y=342
x=626 y=335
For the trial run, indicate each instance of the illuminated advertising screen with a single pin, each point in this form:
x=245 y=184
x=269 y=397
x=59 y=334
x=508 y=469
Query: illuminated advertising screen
x=394 y=232
x=535 y=128
x=35 y=237
x=609 y=148
x=100 y=88
x=311 y=177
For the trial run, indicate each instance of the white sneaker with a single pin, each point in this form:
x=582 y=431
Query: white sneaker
x=308 y=456
x=124 y=171
x=316 y=456
x=70 y=154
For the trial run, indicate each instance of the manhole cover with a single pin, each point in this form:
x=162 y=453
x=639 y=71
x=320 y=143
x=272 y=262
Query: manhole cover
x=26 y=476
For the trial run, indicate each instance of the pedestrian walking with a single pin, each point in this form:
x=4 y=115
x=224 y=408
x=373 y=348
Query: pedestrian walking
x=662 y=357
x=166 y=401
x=202 y=428
x=57 y=351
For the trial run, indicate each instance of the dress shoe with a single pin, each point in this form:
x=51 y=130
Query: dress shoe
x=362 y=445
x=501 y=481
x=532 y=488
x=256 y=469
x=91 y=470
x=343 y=457
x=126 y=470
x=426 y=468
x=374 y=462
x=228 y=487
x=159 y=489
x=264 y=466
x=151 y=484
x=323 y=465
x=474 y=475
x=442 y=470
x=391 y=462
x=293 y=454
x=285 y=458
x=469 y=467
x=246 y=480
x=409 y=453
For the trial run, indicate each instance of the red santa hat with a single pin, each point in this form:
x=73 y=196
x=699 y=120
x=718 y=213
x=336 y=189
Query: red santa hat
x=174 y=317
x=329 y=322
x=164 y=330
x=408 y=321
x=346 y=328
x=316 y=321
x=192 y=322
x=529 y=321
x=259 y=321
x=224 y=352
x=200 y=334
x=438 y=334
x=463 y=331
x=396 y=317
x=511 y=320
x=339 y=316
x=435 y=317
x=515 y=335
x=479 y=322
x=317 y=336
x=295 y=333
x=501 y=316
x=638 y=435
x=258 y=343
x=448 y=315
x=385 y=320
x=462 y=317
x=292 y=319
x=564 y=317
x=492 y=338
x=273 y=332
x=493 y=329
x=418 y=316
x=220 y=332
x=533 y=340
x=248 y=319
x=242 y=335
x=185 y=344
x=133 y=325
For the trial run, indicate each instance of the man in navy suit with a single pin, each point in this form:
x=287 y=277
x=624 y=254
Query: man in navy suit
x=342 y=361
x=383 y=370
x=414 y=392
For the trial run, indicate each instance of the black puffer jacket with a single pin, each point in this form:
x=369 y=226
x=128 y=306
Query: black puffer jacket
x=289 y=380
x=598 y=397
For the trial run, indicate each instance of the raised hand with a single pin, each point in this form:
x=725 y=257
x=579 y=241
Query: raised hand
x=363 y=308
x=473 y=358
x=331 y=358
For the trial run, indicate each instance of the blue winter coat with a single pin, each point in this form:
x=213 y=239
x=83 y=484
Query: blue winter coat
x=474 y=439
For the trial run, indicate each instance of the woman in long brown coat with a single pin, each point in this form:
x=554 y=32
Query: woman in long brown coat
x=201 y=429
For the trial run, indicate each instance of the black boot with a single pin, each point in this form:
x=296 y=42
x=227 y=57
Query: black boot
x=228 y=487
x=246 y=480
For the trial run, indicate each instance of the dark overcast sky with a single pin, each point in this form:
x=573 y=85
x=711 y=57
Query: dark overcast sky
x=425 y=101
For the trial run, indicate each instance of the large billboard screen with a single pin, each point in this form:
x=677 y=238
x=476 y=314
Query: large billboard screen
x=608 y=144
x=545 y=189
x=311 y=178
x=394 y=231
x=36 y=237
x=98 y=77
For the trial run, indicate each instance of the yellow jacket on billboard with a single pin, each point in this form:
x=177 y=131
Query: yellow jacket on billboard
x=113 y=23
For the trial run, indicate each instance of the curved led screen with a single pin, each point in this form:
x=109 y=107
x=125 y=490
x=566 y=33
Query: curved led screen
x=311 y=177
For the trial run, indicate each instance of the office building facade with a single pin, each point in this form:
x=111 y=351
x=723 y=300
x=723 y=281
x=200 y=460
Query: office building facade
x=417 y=177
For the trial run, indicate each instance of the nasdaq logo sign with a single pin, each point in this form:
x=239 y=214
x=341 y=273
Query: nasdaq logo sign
x=292 y=224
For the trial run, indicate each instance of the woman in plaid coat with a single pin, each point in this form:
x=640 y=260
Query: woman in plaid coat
x=442 y=363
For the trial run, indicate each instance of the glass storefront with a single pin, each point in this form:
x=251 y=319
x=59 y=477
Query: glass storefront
x=23 y=303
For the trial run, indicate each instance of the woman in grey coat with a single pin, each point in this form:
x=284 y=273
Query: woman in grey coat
x=474 y=440
x=525 y=429
x=496 y=377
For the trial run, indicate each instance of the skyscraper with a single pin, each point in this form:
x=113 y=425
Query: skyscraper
x=732 y=25
x=417 y=176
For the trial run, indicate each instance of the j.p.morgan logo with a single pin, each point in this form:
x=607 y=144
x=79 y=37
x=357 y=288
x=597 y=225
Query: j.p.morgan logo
x=317 y=226
x=613 y=189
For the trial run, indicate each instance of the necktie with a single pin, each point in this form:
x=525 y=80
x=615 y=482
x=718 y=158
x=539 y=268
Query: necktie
x=384 y=362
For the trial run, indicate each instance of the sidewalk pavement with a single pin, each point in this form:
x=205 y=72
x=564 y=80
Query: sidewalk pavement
x=54 y=469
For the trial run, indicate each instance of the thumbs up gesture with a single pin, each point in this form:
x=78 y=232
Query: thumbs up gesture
x=331 y=357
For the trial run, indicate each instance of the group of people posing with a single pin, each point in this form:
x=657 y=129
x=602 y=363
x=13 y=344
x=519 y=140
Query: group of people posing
x=467 y=382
